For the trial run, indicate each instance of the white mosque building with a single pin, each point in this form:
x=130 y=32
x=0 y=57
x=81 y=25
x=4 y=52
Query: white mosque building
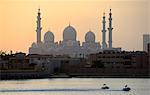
x=70 y=46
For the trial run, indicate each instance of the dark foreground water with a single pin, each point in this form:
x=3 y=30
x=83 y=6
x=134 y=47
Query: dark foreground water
x=74 y=86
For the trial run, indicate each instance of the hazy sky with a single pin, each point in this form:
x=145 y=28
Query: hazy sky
x=131 y=19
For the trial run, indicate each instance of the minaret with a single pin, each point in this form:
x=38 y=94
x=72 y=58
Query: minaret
x=39 y=28
x=104 y=33
x=110 y=30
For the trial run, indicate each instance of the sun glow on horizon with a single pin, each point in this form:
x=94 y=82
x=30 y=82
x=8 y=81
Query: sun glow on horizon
x=18 y=21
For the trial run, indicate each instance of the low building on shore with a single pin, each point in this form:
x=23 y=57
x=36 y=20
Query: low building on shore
x=53 y=64
x=106 y=63
x=17 y=62
x=124 y=62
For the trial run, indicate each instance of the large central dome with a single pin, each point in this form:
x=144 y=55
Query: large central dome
x=69 y=33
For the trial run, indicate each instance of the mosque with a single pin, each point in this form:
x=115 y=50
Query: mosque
x=70 y=45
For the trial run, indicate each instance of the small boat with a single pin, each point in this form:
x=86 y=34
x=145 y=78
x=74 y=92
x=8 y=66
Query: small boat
x=104 y=87
x=126 y=89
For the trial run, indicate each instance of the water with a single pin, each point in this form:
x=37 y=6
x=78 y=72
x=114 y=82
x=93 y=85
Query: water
x=74 y=86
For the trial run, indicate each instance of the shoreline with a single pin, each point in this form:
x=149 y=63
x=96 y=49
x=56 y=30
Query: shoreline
x=20 y=76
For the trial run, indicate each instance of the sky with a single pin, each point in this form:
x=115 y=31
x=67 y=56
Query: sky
x=131 y=19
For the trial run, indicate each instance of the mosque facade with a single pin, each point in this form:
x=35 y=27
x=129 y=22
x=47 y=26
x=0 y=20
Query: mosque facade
x=70 y=45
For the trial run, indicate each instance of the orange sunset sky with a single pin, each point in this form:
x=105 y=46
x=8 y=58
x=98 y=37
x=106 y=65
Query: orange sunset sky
x=131 y=19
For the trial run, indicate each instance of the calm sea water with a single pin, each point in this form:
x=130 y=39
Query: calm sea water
x=74 y=86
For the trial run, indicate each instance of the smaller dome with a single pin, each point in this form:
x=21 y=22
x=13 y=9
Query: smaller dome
x=48 y=37
x=33 y=45
x=90 y=37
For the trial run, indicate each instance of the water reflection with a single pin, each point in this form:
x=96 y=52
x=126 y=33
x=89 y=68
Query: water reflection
x=74 y=86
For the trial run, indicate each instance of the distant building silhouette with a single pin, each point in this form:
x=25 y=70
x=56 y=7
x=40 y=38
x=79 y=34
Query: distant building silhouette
x=146 y=40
